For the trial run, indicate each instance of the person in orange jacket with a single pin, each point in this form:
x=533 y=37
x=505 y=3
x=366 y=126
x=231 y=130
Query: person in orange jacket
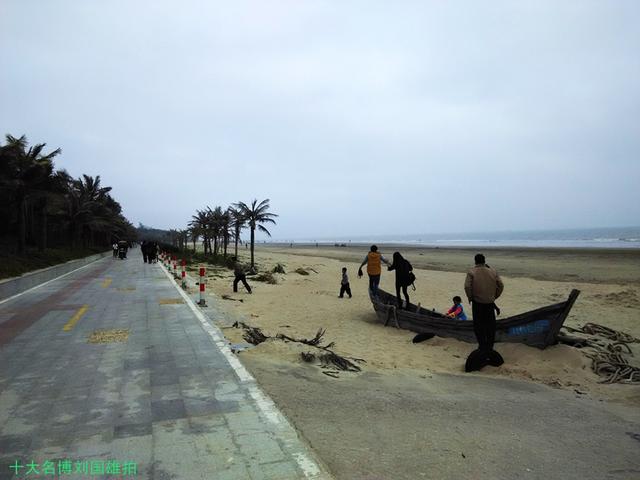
x=374 y=268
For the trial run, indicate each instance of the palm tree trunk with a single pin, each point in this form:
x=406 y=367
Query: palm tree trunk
x=237 y=239
x=22 y=224
x=253 y=240
x=42 y=244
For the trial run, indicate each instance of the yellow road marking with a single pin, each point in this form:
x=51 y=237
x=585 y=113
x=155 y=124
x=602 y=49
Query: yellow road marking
x=170 y=301
x=78 y=315
x=106 y=282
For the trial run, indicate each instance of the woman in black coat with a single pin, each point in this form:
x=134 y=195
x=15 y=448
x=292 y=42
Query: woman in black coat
x=404 y=277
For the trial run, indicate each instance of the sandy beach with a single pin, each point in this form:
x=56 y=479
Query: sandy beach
x=298 y=305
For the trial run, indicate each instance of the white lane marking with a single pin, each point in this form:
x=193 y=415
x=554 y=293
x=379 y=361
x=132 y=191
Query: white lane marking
x=49 y=281
x=308 y=466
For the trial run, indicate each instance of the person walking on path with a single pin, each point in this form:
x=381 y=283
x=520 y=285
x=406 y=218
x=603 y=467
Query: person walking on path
x=240 y=276
x=404 y=277
x=144 y=247
x=374 y=268
x=344 y=284
x=115 y=250
x=483 y=286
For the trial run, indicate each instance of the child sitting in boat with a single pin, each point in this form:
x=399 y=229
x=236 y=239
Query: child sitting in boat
x=457 y=311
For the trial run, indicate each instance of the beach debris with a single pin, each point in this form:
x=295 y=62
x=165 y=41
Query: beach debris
x=614 y=367
x=331 y=374
x=266 y=277
x=421 y=337
x=332 y=359
x=307 y=356
x=227 y=297
x=252 y=335
x=240 y=347
x=635 y=436
x=279 y=268
x=608 y=360
x=328 y=358
x=313 y=342
x=601 y=330
x=301 y=271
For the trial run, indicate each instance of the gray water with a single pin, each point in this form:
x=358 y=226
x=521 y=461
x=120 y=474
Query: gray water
x=617 y=237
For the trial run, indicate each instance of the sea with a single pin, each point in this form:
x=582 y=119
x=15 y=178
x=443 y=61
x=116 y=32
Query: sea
x=610 y=237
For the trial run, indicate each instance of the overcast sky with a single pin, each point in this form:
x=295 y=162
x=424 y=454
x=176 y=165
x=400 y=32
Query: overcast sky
x=354 y=118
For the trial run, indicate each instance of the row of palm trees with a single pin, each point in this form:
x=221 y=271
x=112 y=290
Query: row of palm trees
x=218 y=227
x=44 y=207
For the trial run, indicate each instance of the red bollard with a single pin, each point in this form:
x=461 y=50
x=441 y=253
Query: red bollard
x=175 y=270
x=202 y=301
x=184 y=273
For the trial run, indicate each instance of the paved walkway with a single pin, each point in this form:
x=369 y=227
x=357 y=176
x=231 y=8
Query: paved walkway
x=170 y=401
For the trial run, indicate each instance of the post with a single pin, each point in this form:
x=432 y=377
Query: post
x=202 y=301
x=175 y=270
x=184 y=274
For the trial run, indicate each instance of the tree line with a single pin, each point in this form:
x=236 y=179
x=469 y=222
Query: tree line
x=218 y=228
x=43 y=207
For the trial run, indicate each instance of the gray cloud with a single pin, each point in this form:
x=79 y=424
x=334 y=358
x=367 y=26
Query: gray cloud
x=352 y=117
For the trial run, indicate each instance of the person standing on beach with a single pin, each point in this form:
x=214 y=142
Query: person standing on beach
x=240 y=276
x=404 y=277
x=374 y=268
x=483 y=286
x=344 y=284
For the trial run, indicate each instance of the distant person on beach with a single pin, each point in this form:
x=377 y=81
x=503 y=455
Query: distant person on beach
x=344 y=284
x=240 y=276
x=404 y=276
x=374 y=268
x=483 y=286
x=456 y=311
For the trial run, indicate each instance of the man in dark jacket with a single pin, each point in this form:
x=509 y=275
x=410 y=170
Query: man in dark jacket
x=483 y=286
x=240 y=276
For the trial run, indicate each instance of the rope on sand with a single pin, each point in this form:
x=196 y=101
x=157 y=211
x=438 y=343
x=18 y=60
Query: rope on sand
x=601 y=330
x=608 y=360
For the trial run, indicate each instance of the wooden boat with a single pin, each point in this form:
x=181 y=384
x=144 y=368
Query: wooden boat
x=538 y=328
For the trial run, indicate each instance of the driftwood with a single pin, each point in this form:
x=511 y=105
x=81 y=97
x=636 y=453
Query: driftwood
x=252 y=335
x=227 y=297
x=328 y=358
x=342 y=363
x=315 y=341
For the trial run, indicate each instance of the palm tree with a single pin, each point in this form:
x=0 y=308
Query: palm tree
x=199 y=223
x=255 y=215
x=225 y=229
x=27 y=173
x=237 y=222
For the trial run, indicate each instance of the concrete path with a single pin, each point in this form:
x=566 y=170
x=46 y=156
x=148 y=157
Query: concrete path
x=169 y=400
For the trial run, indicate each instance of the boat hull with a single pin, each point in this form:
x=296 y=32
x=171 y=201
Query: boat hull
x=537 y=328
